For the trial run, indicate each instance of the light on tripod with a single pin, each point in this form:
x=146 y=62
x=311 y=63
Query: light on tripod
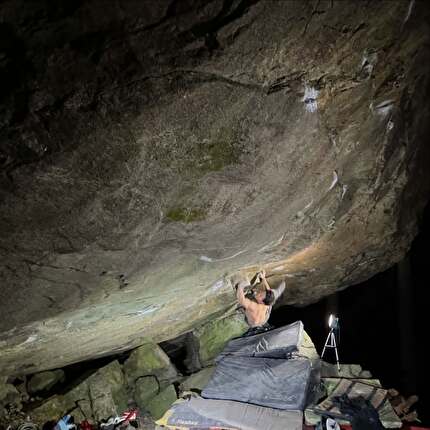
x=333 y=323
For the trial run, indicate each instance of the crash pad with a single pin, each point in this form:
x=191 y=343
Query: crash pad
x=196 y=412
x=270 y=382
x=277 y=343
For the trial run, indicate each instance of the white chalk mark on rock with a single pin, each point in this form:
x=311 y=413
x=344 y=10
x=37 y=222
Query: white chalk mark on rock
x=310 y=99
x=218 y=285
x=30 y=339
x=147 y=310
x=272 y=244
x=383 y=108
x=335 y=180
x=368 y=63
x=344 y=190
x=308 y=205
x=215 y=260
x=410 y=7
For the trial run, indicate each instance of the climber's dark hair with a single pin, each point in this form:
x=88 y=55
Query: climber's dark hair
x=270 y=298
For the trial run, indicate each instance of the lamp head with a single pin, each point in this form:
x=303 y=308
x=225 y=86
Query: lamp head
x=333 y=322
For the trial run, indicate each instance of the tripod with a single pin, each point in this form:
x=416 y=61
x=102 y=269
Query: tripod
x=331 y=343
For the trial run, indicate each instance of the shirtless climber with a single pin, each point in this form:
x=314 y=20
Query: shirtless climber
x=257 y=311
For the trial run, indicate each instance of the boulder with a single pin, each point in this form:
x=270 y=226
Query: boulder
x=145 y=389
x=348 y=371
x=51 y=410
x=197 y=381
x=186 y=348
x=307 y=348
x=44 y=381
x=214 y=335
x=107 y=391
x=149 y=359
x=80 y=396
x=101 y=395
x=159 y=404
x=21 y=387
x=9 y=395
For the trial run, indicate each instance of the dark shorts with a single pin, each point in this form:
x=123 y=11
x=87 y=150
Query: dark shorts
x=257 y=330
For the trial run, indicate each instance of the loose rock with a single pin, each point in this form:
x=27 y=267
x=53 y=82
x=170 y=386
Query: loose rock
x=149 y=359
x=161 y=402
x=44 y=381
x=145 y=389
x=198 y=380
x=214 y=335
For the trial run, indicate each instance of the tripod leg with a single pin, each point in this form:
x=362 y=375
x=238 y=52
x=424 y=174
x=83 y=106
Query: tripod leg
x=335 y=350
x=325 y=345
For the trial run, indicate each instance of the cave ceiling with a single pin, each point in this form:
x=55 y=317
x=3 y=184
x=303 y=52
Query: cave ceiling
x=153 y=151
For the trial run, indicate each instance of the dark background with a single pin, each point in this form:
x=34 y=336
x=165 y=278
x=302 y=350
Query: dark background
x=384 y=323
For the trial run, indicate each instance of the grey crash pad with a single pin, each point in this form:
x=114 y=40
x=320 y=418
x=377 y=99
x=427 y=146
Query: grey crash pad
x=278 y=343
x=196 y=412
x=271 y=382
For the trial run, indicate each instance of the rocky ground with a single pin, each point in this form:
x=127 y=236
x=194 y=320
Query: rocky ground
x=149 y=380
x=145 y=379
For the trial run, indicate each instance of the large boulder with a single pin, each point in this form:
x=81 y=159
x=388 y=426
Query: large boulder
x=145 y=389
x=44 y=381
x=9 y=394
x=198 y=380
x=101 y=395
x=159 y=404
x=9 y=397
x=152 y=150
x=213 y=336
x=307 y=348
x=149 y=359
x=347 y=371
x=107 y=391
x=51 y=410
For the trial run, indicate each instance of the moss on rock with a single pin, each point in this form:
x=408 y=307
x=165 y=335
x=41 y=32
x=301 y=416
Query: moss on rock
x=186 y=214
x=51 y=410
x=214 y=335
x=197 y=381
x=45 y=380
x=145 y=389
x=107 y=391
x=159 y=404
x=149 y=359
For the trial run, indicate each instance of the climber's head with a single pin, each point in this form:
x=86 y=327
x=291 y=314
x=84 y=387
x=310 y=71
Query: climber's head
x=270 y=298
x=264 y=297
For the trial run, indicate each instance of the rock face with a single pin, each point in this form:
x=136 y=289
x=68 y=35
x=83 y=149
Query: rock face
x=44 y=380
x=146 y=388
x=150 y=151
x=197 y=381
x=148 y=360
x=161 y=402
x=213 y=336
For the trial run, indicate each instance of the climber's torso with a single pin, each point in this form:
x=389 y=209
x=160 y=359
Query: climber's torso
x=257 y=314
